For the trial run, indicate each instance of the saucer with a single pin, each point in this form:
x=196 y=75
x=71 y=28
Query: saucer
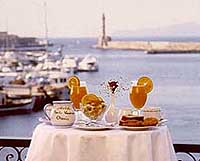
x=45 y=120
x=48 y=122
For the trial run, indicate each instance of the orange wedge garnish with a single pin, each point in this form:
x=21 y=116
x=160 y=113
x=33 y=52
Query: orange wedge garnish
x=89 y=98
x=147 y=82
x=73 y=81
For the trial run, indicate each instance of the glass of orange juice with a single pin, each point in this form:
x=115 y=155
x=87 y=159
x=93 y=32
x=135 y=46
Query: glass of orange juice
x=138 y=96
x=76 y=94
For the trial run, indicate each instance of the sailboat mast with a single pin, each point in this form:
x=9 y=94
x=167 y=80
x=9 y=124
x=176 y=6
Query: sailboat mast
x=45 y=25
x=7 y=44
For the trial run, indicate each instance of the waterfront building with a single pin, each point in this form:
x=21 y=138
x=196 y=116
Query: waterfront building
x=15 y=42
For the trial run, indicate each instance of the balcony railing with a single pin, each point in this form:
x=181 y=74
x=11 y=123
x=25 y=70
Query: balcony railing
x=187 y=152
x=15 y=149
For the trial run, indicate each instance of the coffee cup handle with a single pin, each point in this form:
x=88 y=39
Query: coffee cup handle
x=47 y=110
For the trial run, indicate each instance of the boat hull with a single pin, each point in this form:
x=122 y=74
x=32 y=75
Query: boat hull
x=17 y=108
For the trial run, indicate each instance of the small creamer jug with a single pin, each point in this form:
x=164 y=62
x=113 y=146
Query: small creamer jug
x=61 y=113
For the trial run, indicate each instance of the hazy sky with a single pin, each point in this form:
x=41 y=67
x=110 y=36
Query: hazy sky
x=72 y=18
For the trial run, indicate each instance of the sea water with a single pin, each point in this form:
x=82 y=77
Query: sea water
x=176 y=90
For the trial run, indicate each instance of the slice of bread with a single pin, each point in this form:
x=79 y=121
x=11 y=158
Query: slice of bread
x=132 y=123
x=132 y=117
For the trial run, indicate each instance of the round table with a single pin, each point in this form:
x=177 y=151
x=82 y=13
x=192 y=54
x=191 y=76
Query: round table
x=68 y=144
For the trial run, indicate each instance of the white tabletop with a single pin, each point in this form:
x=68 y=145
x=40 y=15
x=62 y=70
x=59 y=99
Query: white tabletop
x=69 y=144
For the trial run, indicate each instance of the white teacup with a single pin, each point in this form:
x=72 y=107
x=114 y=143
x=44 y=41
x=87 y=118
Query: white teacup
x=152 y=112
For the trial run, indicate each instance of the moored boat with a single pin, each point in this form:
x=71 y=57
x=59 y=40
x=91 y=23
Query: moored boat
x=88 y=64
x=69 y=63
x=15 y=105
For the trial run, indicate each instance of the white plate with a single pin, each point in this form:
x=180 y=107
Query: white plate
x=161 y=123
x=92 y=128
x=137 y=128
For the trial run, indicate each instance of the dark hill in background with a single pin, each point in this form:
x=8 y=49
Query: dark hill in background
x=176 y=30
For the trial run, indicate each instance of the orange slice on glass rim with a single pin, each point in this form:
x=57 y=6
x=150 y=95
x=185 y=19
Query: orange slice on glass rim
x=73 y=81
x=89 y=98
x=146 y=82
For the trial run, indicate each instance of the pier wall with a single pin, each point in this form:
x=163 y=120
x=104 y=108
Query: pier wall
x=174 y=47
x=129 y=45
x=154 y=46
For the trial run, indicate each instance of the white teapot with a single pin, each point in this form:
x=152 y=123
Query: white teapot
x=60 y=113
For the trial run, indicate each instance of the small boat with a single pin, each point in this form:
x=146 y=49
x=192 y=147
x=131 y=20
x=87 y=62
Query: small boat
x=88 y=64
x=15 y=105
x=16 y=97
x=48 y=87
x=69 y=63
x=58 y=86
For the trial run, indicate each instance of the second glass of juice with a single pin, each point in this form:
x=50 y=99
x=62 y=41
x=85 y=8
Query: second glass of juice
x=138 y=96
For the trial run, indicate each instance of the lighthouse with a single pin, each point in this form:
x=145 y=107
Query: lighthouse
x=104 y=37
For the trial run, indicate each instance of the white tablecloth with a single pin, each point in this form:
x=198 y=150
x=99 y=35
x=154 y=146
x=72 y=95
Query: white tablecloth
x=52 y=144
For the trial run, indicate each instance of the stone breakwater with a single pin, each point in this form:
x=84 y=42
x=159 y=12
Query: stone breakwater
x=154 y=47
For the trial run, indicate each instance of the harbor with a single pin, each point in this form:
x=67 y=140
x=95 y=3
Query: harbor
x=31 y=79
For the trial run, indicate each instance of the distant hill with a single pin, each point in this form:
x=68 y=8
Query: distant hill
x=176 y=30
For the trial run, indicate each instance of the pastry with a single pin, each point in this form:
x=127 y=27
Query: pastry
x=131 y=123
x=137 y=121
x=131 y=120
x=151 y=121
